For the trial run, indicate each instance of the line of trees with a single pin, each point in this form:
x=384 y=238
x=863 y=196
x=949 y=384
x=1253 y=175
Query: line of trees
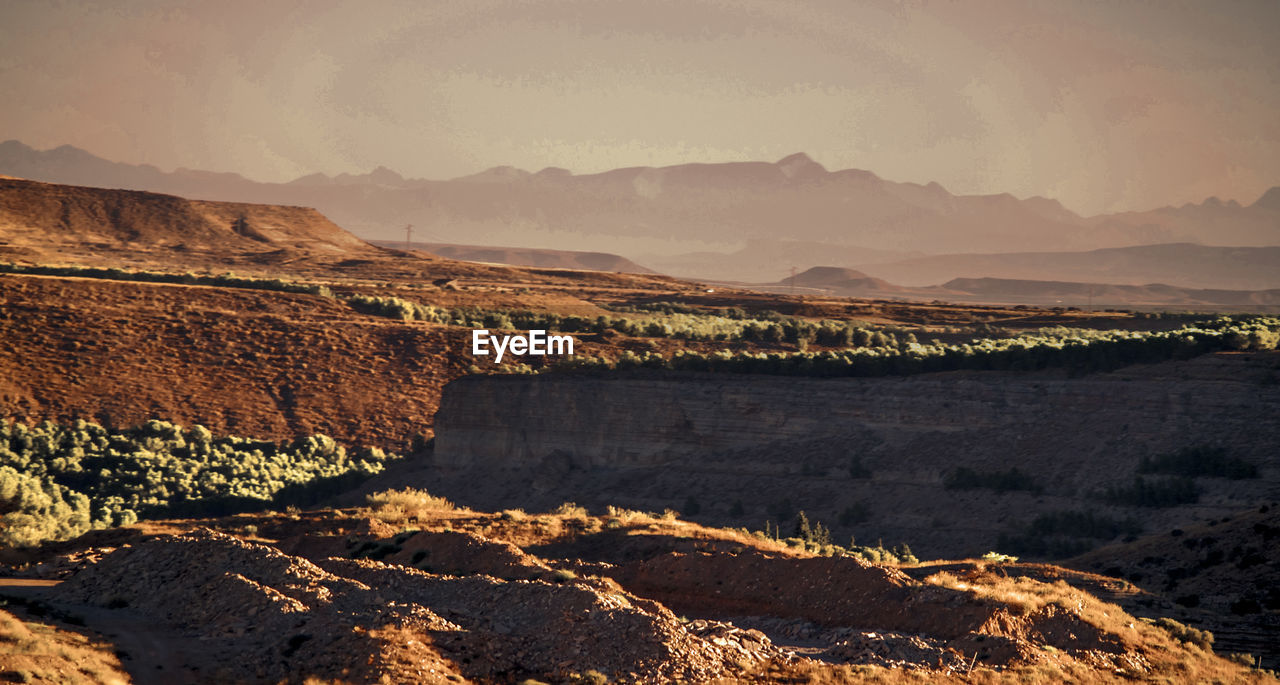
x=58 y=481
x=683 y=322
x=682 y=325
x=1105 y=351
x=227 y=280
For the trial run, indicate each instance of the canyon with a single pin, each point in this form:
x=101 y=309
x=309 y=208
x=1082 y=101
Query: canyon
x=742 y=446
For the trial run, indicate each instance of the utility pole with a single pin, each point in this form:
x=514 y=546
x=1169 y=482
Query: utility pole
x=408 y=231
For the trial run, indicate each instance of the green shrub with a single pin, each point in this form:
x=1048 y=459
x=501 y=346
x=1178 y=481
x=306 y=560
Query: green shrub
x=1199 y=461
x=227 y=280
x=60 y=481
x=1153 y=492
x=1078 y=352
x=899 y=554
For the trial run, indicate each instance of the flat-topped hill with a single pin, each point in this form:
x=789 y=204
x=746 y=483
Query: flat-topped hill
x=527 y=256
x=38 y=215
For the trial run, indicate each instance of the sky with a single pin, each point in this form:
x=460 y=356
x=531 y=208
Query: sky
x=1105 y=106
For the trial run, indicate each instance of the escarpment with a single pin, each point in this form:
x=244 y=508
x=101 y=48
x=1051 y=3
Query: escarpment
x=877 y=456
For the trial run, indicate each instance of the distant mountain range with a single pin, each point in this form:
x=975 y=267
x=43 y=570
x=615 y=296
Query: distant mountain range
x=45 y=222
x=793 y=212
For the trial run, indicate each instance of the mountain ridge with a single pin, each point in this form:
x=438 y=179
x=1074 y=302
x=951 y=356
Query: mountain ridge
x=671 y=207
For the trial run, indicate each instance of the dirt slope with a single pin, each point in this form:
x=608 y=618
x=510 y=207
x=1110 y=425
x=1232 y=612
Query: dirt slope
x=42 y=215
x=237 y=361
x=1223 y=575
x=245 y=362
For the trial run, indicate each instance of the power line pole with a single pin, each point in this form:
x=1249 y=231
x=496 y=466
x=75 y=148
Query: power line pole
x=408 y=231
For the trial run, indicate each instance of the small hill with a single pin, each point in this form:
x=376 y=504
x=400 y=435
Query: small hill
x=47 y=216
x=820 y=276
x=526 y=256
x=835 y=280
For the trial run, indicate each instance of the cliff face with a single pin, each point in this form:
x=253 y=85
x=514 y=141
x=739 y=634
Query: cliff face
x=757 y=441
x=1073 y=429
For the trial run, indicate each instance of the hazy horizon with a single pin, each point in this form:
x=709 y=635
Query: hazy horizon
x=1243 y=201
x=1104 y=107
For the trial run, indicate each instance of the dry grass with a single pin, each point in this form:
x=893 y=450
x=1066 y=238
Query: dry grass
x=628 y=517
x=571 y=510
x=1024 y=595
x=34 y=652
x=1172 y=658
x=513 y=515
x=409 y=504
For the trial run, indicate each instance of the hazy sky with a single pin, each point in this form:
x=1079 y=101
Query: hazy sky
x=1110 y=105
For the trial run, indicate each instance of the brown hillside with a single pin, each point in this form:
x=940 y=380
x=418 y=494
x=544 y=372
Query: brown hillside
x=43 y=215
x=278 y=364
x=250 y=362
x=1223 y=575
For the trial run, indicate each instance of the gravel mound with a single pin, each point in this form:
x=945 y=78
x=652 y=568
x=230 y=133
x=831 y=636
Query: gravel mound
x=462 y=553
x=912 y=623
x=853 y=646
x=260 y=615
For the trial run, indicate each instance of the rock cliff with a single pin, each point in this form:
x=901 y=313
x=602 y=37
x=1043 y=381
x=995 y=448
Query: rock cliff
x=869 y=456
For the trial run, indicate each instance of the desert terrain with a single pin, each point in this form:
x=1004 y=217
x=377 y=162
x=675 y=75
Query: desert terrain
x=241 y=444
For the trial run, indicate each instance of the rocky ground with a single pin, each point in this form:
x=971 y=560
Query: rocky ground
x=436 y=594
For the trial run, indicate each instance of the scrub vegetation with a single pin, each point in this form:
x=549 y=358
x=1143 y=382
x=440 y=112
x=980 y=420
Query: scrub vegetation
x=1078 y=353
x=59 y=481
